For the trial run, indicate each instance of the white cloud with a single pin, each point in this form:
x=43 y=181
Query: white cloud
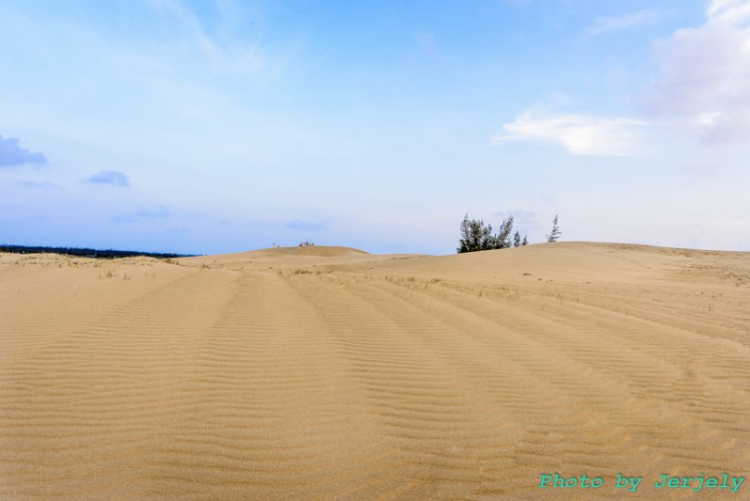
x=736 y=12
x=703 y=75
x=701 y=89
x=617 y=23
x=579 y=134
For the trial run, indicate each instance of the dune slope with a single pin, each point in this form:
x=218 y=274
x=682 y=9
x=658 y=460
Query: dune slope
x=335 y=374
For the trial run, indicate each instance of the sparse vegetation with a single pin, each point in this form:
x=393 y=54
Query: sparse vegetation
x=476 y=236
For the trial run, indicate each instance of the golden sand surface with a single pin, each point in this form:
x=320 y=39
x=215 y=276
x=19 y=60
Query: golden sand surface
x=329 y=373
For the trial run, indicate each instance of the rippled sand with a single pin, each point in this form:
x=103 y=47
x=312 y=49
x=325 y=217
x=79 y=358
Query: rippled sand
x=328 y=373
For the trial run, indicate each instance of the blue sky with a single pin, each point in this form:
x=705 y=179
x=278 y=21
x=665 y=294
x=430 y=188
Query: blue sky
x=227 y=125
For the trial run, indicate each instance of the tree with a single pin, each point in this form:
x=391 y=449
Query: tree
x=481 y=236
x=555 y=233
x=463 y=242
x=502 y=240
x=475 y=236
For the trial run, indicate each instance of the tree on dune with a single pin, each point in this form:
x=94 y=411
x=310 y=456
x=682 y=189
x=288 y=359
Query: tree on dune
x=476 y=236
x=554 y=235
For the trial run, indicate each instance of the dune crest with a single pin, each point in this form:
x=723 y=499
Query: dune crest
x=312 y=250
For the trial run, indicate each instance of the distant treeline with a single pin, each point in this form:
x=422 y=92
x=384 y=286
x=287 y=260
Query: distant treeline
x=83 y=252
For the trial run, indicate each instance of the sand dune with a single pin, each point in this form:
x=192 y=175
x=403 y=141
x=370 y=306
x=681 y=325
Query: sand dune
x=329 y=373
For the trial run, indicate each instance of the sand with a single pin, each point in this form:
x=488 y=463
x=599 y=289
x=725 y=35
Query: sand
x=329 y=373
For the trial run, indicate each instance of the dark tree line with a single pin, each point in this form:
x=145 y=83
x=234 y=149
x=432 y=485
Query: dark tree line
x=476 y=236
x=74 y=251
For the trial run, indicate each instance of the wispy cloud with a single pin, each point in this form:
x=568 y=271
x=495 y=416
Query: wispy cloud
x=308 y=225
x=185 y=16
x=110 y=177
x=158 y=212
x=426 y=40
x=124 y=218
x=624 y=22
x=38 y=184
x=525 y=219
x=703 y=76
x=12 y=153
x=223 y=54
x=579 y=134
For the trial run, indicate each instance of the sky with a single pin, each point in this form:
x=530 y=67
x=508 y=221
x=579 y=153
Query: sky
x=214 y=126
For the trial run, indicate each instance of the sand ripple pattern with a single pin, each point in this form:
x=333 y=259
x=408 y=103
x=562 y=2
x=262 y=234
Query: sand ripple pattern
x=335 y=374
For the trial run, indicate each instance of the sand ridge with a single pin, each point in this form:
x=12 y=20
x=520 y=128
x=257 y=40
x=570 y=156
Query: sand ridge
x=329 y=373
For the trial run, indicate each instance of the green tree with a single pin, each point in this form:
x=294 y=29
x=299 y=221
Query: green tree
x=502 y=240
x=475 y=236
x=554 y=235
x=465 y=229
